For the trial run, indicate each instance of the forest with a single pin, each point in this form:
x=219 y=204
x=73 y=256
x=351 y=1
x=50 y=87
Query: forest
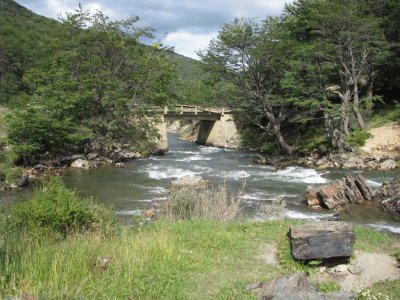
x=314 y=77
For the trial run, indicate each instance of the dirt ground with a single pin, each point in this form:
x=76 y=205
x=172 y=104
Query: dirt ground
x=385 y=141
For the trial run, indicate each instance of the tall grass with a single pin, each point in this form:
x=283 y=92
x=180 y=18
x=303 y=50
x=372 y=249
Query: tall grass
x=191 y=259
x=212 y=204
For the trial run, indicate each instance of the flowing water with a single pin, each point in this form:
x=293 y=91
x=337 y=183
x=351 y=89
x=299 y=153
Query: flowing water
x=145 y=181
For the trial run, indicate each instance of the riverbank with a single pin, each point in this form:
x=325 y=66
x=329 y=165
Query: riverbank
x=195 y=259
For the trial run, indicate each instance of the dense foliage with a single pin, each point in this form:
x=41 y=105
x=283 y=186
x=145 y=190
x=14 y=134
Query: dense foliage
x=316 y=65
x=89 y=85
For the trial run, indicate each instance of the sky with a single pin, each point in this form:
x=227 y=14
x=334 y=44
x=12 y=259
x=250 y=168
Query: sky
x=186 y=25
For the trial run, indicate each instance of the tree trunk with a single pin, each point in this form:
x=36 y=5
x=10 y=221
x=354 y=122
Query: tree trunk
x=281 y=140
x=345 y=112
x=356 y=106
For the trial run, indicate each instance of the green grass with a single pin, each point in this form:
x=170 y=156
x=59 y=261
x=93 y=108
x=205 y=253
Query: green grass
x=191 y=259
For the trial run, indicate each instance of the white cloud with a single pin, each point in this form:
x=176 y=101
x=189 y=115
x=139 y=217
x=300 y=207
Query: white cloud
x=187 y=43
x=190 y=24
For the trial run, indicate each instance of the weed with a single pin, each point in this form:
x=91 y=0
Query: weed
x=213 y=204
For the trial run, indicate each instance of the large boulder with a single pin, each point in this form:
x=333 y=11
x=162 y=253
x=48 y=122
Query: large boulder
x=295 y=286
x=389 y=195
x=84 y=164
x=388 y=190
x=388 y=164
x=354 y=163
x=392 y=205
x=340 y=193
x=322 y=240
x=190 y=181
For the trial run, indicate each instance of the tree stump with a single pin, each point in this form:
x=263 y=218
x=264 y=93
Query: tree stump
x=322 y=240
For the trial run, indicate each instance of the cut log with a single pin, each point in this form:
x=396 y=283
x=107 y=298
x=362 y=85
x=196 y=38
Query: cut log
x=322 y=240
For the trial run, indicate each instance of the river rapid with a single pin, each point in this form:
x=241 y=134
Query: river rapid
x=145 y=181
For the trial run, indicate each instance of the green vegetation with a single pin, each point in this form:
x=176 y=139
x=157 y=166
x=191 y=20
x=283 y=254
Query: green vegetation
x=69 y=247
x=328 y=287
x=358 y=137
x=321 y=65
x=58 y=209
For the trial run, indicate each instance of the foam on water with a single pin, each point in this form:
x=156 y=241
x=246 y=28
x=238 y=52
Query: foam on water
x=135 y=212
x=194 y=158
x=170 y=173
x=236 y=175
x=208 y=150
x=309 y=216
x=300 y=174
x=383 y=226
x=372 y=183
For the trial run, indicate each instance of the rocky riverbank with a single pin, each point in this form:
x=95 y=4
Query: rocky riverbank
x=44 y=167
x=340 y=160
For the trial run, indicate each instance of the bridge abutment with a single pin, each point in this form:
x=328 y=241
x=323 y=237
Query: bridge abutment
x=220 y=133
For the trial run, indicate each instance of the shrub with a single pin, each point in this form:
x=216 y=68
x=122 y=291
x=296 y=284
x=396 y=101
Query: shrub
x=54 y=207
x=358 y=138
x=217 y=204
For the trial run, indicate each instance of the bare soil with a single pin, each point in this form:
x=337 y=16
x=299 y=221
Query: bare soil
x=385 y=141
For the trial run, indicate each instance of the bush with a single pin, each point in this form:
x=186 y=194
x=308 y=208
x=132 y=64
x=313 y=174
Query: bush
x=358 y=138
x=214 y=204
x=54 y=207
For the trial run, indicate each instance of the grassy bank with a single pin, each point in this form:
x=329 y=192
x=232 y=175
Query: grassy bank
x=191 y=259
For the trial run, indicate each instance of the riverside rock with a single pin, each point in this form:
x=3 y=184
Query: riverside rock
x=84 y=164
x=354 y=163
x=392 y=205
x=190 y=181
x=388 y=190
x=322 y=240
x=340 y=193
x=388 y=165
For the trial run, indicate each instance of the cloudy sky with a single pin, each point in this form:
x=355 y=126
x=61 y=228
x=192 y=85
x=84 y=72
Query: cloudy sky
x=188 y=24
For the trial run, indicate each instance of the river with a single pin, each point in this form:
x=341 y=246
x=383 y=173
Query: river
x=144 y=181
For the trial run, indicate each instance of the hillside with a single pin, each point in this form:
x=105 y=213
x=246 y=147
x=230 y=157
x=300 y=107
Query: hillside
x=23 y=33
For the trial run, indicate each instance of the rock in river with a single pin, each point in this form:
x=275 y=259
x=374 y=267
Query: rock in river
x=340 y=193
x=389 y=195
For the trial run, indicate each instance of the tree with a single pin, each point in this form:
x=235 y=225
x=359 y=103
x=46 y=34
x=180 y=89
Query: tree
x=246 y=53
x=94 y=78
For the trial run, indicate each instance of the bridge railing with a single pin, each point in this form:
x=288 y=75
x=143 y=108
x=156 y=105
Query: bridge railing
x=181 y=109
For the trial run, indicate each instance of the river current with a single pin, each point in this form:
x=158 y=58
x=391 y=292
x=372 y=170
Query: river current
x=145 y=181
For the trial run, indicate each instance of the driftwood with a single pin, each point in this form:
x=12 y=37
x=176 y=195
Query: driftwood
x=322 y=240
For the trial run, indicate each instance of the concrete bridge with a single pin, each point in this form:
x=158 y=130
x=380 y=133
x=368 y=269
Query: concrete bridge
x=216 y=126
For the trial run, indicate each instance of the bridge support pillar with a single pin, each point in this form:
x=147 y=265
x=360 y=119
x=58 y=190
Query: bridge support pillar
x=162 y=141
x=220 y=133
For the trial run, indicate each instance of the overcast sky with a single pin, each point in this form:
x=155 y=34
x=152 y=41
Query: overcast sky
x=189 y=24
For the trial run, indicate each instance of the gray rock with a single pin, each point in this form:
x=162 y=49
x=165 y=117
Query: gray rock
x=322 y=240
x=92 y=156
x=84 y=164
x=392 y=205
x=129 y=155
x=388 y=164
x=341 y=269
x=356 y=269
x=354 y=163
x=120 y=165
x=388 y=190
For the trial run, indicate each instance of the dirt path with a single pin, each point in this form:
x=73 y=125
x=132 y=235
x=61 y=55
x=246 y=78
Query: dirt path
x=385 y=141
x=377 y=267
